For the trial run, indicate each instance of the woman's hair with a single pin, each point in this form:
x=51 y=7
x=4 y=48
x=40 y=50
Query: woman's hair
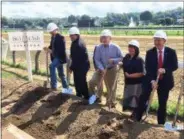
x=136 y=50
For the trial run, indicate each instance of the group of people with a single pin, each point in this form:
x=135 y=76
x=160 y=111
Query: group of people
x=140 y=77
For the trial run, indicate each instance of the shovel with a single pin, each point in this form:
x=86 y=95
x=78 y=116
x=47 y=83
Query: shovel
x=172 y=126
x=46 y=83
x=150 y=100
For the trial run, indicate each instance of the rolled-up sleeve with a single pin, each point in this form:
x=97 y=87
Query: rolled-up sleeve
x=119 y=56
x=97 y=59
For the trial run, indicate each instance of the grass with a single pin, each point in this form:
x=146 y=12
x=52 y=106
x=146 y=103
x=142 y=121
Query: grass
x=171 y=107
x=7 y=74
x=119 y=32
x=122 y=32
x=23 y=67
x=133 y=32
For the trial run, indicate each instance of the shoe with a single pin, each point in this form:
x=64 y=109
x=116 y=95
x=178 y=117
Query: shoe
x=67 y=90
x=98 y=100
x=84 y=102
x=52 y=89
x=64 y=90
x=92 y=99
x=113 y=105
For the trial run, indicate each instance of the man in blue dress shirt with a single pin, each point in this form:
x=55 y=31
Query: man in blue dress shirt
x=107 y=56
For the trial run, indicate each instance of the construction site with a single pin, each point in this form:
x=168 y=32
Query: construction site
x=31 y=108
x=28 y=107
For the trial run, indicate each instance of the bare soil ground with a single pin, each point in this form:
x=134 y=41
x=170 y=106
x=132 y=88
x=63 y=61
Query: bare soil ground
x=30 y=107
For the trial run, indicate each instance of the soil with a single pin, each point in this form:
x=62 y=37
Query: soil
x=45 y=114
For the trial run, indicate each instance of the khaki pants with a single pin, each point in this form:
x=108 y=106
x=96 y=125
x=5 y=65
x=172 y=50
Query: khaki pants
x=110 y=80
x=111 y=84
x=93 y=83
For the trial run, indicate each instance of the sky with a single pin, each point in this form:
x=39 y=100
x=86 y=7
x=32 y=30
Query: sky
x=64 y=9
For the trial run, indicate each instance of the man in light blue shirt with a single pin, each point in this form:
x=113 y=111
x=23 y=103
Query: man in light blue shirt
x=106 y=58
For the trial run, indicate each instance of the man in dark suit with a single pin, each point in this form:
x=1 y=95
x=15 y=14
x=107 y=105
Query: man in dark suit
x=58 y=57
x=159 y=60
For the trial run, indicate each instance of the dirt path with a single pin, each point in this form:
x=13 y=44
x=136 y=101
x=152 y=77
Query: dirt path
x=28 y=106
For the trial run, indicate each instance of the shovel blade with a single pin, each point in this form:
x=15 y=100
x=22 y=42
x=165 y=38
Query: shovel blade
x=92 y=99
x=169 y=127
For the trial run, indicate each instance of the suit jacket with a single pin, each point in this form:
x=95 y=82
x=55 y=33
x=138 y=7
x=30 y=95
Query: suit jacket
x=170 y=64
x=59 y=48
x=79 y=56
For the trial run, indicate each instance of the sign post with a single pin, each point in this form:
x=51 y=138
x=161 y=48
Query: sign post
x=26 y=41
x=28 y=57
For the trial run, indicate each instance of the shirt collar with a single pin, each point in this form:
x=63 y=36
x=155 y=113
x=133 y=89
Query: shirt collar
x=163 y=49
x=108 y=45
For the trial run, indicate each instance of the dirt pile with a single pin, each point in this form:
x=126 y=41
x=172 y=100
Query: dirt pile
x=46 y=116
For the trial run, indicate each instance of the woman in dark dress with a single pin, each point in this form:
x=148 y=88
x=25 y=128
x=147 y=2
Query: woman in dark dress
x=133 y=67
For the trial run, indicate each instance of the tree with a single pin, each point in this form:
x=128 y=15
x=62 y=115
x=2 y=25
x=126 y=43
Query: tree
x=146 y=16
x=85 y=17
x=161 y=21
x=4 y=21
x=41 y=23
x=168 y=21
x=28 y=23
x=71 y=19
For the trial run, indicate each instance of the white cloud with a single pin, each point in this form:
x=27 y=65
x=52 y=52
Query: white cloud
x=62 y=9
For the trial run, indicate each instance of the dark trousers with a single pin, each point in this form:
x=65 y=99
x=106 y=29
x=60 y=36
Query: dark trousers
x=80 y=82
x=162 y=100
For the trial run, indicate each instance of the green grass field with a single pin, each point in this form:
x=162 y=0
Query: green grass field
x=120 y=32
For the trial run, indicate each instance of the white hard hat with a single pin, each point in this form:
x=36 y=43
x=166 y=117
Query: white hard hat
x=51 y=27
x=74 y=30
x=106 y=32
x=160 y=34
x=134 y=43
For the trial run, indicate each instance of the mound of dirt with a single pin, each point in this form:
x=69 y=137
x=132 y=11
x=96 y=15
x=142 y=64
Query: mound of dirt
x=48 y=115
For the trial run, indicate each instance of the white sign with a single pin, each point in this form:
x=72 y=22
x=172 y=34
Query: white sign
x=26 y=41
x=35 y=40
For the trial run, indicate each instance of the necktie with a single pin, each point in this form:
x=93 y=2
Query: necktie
x=160 y=62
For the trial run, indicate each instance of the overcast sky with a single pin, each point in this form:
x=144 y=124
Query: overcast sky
x=63 y=9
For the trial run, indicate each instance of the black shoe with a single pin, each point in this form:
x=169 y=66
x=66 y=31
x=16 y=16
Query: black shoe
x=84 y=102
x=98 y=100
x=52 y=89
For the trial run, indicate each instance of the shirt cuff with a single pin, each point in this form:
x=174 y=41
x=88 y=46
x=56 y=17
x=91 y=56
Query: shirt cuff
x=116 y=60
x=100 y=67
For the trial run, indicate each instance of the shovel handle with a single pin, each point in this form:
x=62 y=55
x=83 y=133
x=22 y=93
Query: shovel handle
x=152 y=93
x=178 y=103
x=151 y=99
x=47 y=65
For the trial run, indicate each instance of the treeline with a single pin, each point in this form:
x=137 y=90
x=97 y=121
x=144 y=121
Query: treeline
x=169 y=17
